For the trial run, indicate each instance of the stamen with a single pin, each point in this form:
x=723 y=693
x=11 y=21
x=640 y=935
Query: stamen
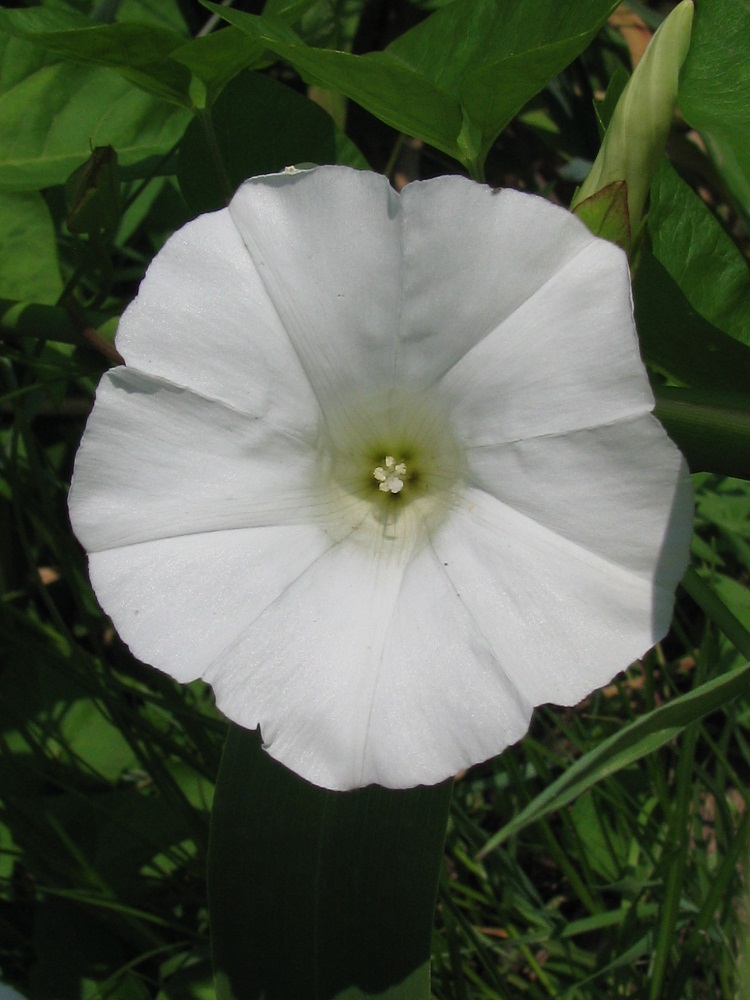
x=390 y=475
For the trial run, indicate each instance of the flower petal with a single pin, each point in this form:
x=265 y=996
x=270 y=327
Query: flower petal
x=326 y=243
x=472 y=258
x=539 y=371
x=158 y=461
x=620 y=491
x=444 y=701
x=180 y=602
x=305 y=670
x=202 y=319
x=561 y=619
x=368 y=669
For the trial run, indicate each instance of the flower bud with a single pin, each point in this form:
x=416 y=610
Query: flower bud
x=635 y=138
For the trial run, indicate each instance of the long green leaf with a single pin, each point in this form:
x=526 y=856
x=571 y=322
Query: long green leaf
x=315 y=895
x=637 y=740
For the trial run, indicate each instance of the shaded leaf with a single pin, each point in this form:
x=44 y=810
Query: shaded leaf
x=216 y=58
x=676 y=340
x=73 y=946
x=257 y=126
x=93 y=194
x=320 y=894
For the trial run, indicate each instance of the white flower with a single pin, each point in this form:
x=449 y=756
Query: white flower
x=381 y=469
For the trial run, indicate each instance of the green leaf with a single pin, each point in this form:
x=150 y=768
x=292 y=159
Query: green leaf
x=139 y=51
x=709 y=600
x=19 y=320
x=456 y=79
x=257 y=126
x=494 y=56
x=597 y=837
x=715 y=88
x=52 y=115
x=216 y=58
x=165 y=13
x=290 y=11
x=692 y=292
x=693 y=247
x=186 y=977
x=493 y=95
x=633 y=742
x=676 y=340
x=39 y=691
x=332 y=24
x=82 y=730
x=28 y=254
x=474 y=36
x=387 y=87
x=27 y=21
x=320 y=894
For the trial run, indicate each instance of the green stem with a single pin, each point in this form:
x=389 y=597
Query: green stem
x=711 y=428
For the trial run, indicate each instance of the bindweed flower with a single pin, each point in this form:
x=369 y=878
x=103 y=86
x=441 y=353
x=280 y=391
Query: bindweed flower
x=381 y=469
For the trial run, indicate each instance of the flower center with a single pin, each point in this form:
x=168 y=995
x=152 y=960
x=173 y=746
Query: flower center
x=390 y=475
x=392 y=468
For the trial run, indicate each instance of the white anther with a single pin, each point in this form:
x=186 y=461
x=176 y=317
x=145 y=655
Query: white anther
x=389 y=475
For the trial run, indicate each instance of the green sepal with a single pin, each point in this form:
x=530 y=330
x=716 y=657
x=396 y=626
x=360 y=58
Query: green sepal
x=606 y=214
